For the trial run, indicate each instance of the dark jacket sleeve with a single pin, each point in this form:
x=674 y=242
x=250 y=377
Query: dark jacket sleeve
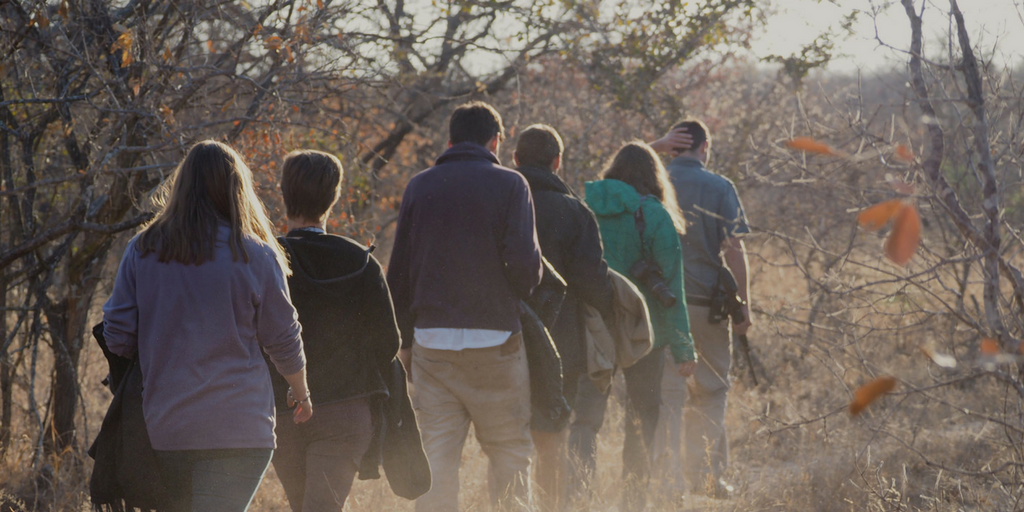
x=398 y=278
x=382 y=329
x=586 y=270
x=520 y=249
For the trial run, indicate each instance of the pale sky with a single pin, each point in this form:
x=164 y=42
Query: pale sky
x=798 y=22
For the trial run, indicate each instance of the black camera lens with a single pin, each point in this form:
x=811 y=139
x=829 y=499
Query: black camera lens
x=664 y=296
x=648 y=274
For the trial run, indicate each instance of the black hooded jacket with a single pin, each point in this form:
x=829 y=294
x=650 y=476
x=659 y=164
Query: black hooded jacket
x=348 y=323
x=571 y=241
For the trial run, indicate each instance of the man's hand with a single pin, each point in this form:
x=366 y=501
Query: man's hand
x=674 y=142
x=686 y=369
x=741 y=329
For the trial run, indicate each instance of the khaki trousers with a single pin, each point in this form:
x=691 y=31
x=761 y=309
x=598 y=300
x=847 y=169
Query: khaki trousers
x=707 y=443
x=490 y=388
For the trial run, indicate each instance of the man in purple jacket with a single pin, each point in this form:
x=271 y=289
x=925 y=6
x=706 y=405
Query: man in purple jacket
x=465 y=253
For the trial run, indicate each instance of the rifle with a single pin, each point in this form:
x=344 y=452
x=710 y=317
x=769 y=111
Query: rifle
x=744 y=346
x=726 y=304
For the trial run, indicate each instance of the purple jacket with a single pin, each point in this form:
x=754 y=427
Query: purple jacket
x=199 y=331
x=466 y=247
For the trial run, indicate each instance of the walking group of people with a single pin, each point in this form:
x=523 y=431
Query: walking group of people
x=237 y=334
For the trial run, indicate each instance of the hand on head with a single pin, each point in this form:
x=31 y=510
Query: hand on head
x=674 y=142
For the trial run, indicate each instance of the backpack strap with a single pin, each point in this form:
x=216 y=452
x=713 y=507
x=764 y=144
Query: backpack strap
x=641 y=225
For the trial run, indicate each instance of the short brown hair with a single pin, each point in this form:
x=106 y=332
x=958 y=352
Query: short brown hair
x=475 y=122
x=697 y=129
x=310 y=183
x=538 y=146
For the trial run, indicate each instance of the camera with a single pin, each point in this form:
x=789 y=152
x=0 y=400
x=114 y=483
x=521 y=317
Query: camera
x=649 y=275
x=726 y=306
x=725 y=300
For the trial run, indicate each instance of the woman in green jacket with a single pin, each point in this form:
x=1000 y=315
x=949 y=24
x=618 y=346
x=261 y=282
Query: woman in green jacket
x=634 y=180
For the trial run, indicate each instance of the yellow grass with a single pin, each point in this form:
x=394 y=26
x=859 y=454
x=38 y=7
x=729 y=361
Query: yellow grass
x=782 y=459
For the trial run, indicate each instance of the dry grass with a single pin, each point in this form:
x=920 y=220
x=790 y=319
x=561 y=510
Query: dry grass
x=785 y=457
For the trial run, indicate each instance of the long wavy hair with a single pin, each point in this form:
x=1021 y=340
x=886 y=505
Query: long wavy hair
x=637 y=165
x=210 y=187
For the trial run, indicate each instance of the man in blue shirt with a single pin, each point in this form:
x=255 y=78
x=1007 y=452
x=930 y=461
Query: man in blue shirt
x=716 y=224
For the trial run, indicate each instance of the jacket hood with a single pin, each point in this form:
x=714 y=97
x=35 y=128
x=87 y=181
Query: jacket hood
x=307 y=255
x=542 y=179
x=466 y=151
x=611 y=197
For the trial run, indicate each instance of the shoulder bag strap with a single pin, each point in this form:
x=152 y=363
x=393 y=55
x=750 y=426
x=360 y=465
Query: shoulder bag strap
x=641 y=225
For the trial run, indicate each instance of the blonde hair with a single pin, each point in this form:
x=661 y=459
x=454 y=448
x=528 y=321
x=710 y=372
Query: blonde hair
x=637 y=165
x=211 y=186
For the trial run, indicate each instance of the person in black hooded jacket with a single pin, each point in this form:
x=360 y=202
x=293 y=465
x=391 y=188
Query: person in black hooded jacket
x=571 y=242
x=350 y=334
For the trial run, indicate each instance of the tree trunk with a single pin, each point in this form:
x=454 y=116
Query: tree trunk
x=6 y=376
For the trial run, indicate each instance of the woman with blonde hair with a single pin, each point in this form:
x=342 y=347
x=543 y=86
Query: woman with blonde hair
x=640 y=226
x=200 y=294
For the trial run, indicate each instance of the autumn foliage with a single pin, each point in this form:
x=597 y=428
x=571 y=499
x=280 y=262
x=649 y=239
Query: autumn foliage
x=886 y=218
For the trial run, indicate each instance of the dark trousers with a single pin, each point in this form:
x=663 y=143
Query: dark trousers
x=316 y=461
x=212 y=480
x=643 y=402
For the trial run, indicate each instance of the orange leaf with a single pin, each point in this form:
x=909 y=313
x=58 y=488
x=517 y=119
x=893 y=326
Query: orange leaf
x=41 y=20
x=812 y=146
x=989 y=347
x=904 y=153
x=124 y=43
x=167 y=113
x=272 y=42
x=870 y=392
x=905 y=235
x=877 y=216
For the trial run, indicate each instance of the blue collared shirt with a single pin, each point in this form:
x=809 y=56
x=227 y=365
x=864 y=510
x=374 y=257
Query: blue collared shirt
x=713 y=213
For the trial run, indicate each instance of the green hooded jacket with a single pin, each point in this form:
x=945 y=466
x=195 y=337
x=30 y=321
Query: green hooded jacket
x=614 y=202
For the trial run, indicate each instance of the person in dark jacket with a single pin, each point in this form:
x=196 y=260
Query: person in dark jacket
x=465 y=256
x=571 y=242
x=350 y=334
